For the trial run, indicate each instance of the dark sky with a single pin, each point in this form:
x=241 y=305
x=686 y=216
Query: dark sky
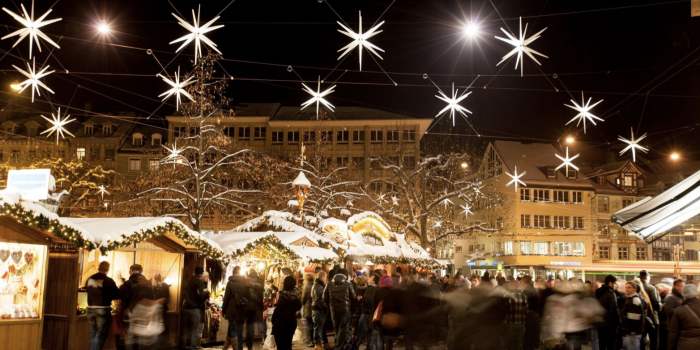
x=641 y=57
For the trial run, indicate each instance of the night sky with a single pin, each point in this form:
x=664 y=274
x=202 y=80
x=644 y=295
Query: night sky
x=641 y=57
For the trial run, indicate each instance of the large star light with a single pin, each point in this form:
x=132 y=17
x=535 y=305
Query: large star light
x=453 y=103
x=520 y=46
x=515 y=178
x=197 y=34
x=633 y=145
x=318 y=97
x=360 y=40
x=33 y=78
x=584 y=112
x=58 y=125
x=32 y=28
x=566 y=162
x=177 y=88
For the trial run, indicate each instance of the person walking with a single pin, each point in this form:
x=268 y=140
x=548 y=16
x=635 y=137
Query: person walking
x=673 y=300
x=608 y=329
x=651 y=329
x=284 y=318
x=101 y=290
x=338 y=295
x=516 y=316
x=235 y=300
x=195 y=297
x=130 y=292
x=319 y=312
x=633 y=313
x=684 y=327
x=306 y=311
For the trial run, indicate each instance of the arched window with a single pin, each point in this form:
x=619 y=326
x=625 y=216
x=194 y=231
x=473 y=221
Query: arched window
x=137 y=139
x=156 y=139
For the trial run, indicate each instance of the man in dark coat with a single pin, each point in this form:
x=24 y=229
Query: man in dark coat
x=101 y=290
x=195 y=299
x=651 y=329
x=338 y=295
x=672 y=301
x=319 y=311
x=684 y=328
x=608 y=330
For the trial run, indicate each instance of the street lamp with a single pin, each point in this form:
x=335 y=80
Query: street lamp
x=674 y=156
x=464 y=165
x=301 y=184
x=570 y=140
x=471 y=29
x=14 y=86
x=103 y=28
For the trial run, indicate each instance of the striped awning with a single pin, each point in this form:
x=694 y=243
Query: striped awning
x=651 y=217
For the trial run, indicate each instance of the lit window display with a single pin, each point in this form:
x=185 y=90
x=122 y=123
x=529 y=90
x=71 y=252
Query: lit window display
x=22 y=277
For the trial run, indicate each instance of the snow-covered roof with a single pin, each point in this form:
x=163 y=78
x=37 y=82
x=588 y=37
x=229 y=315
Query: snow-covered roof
x=301 y=180
x=650 y=217
x=281 y=220
x=236 y=242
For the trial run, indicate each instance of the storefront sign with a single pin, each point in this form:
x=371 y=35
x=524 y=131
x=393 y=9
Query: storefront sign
x=30 y=184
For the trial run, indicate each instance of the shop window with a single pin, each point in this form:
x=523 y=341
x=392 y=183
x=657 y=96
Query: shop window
x=22 y=292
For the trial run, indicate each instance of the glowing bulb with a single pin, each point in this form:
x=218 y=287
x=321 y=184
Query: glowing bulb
x=14 y=86
x=675 y=156
x=570 y=140
x=261 y=266
x=103 y=28
x=464 y=165
x=471 y=30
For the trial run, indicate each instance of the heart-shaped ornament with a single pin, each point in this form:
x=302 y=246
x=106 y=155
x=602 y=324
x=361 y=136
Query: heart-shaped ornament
x=17 y=256
x=29 y=257
x=4 y=254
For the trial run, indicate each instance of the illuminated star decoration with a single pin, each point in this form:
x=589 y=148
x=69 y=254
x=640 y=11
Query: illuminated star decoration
x=633 y=145
x=520 y=46
x=515 y=178
x=394 y=200
x=380 y=197
x=437 y=224
x=318 y=97
x=32 y=28
x=566 y=162
x=360 y=40
x=453 y=103
x=197 y=34
x=102 y=191
x=177 y=88
x=58 y=125
x=174 y=154
x=446 y=202
x=466 y=209
x=33 y=78
x=584 y=112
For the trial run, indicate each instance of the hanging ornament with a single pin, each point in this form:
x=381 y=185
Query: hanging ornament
x=567 y=162
x=58 y=125
x=633 y=145
x=520 y=46
x=177 y=88
x=453 y=103
x=584 y=112
x=197 y=34
x=31 y=28
x=515 y=178
x=33 y=78
x=360 y=40
x=318 y=97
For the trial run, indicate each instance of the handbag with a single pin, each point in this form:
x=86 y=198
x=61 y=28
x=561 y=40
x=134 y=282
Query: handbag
x=377 y=317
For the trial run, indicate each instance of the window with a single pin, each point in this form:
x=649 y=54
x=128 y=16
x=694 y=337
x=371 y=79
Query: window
x=628 y=180
x=134 y=164
x=603 y=204
x=508 y=248
x=627 y=202
x=622 y=253
x=277 y=137
x=358 y=162
x=194 y=131
x=576 y=197
x=94 y=153
x=525 y=247
x=524 y=220
x=376 y=136
x=561 y=222
x=568 y=248
x=180 y=131
x=603 y=227
x=259 y=132
x=542 y=221
x=326 y=136
x=79 y=153
x=230 y=131
x=691 y=255
x=342 y=136
x=106 y=129
x=561 y=196
x=604 y=252
x=409 y=136
x=578 y=222
x=137 y=139
x=641 y=253
x=541 y=248
x=244 y=133
x=458 y=249
x=89 y=129
x=153 y=164
x=341 y=161
x=292 y=137
x=392 y=136
x=525 y=194
x=376 y=186
x=109 y=153
x=309 y=136
x=541 y=195
x=156 y=139
x=358 y=136
x=551 y=173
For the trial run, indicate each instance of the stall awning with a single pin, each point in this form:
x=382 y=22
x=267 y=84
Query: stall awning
x=651 y=217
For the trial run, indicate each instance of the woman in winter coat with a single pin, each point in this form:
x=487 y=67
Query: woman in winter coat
x=684 y=327
x=284 y=318
x=633 y=312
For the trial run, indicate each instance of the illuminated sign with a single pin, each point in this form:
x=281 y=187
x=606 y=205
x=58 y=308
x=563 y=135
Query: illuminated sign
x=30 y=184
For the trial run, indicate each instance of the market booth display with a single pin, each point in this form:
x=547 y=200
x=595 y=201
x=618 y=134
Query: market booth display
x=161 y=245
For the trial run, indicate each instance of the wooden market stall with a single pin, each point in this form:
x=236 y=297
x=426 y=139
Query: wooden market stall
x=23 y=259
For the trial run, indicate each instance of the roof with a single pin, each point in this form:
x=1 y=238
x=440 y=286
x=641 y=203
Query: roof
x=340 y=113
x=256 y=109
x=534 y=158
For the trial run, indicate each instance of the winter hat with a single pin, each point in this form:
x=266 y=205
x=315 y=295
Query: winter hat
x=690 y=291
x=386 y=282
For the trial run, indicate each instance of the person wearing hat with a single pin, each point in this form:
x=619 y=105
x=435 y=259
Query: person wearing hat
x=608 y=329
x=684 y=327
x=195 y=299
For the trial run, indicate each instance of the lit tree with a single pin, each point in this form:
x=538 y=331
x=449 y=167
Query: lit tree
x=430 y=200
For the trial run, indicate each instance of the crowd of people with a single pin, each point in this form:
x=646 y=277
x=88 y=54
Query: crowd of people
x=380 y=309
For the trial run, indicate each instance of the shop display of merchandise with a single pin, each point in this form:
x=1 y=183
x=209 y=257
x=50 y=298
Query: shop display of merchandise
x=21 y=276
